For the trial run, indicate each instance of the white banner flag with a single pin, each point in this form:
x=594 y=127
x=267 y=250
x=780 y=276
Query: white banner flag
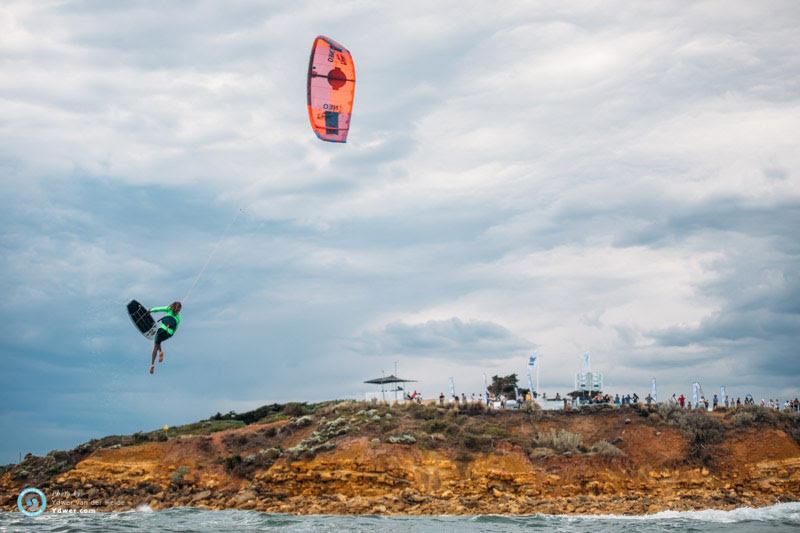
x=452 y=388
x=585 y=361
x=654 y=391
x=532 y=361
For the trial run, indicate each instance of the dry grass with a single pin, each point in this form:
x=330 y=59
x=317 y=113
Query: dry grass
x=561 y=441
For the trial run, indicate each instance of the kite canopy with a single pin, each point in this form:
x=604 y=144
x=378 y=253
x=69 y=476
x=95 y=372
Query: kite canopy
x=331 y=88
x=389 y=379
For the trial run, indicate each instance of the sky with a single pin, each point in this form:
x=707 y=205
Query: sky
x=620 y=178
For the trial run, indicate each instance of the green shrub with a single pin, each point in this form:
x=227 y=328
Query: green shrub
x=387 y=425
x=435 y=426
x=496 y=431
x=702 y=432
x=531 y=408
x=294 y=409
x=794 y=432
x=301 y=422
x=232 y=462
x=474 y=408
x=179 y=474
x=245 y=466
x=205 y=444
x=452 y=429
x=670 y=412
x=541 y=453
x=274 y=417
x=476 y=443
x=421 y=412
x=743 y=419
x=606 y=449
x=205 y=427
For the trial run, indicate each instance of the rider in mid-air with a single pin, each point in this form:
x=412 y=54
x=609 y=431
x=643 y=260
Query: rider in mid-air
x=166 y=329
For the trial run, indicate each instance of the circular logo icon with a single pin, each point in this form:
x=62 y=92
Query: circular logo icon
x=31 y=502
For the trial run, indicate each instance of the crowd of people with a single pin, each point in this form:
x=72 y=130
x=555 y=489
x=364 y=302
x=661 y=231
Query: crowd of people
x=728 y=402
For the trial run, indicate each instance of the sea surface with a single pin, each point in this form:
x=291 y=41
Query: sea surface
x=781 y=517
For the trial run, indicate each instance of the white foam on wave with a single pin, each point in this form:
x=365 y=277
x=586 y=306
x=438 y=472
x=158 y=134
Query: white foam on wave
x=789 y=512
x=144 y=508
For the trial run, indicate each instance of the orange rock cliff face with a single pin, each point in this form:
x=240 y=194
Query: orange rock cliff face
x=351 y=458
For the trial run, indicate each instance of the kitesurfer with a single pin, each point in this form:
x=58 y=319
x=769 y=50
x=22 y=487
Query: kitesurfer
x=166 y=329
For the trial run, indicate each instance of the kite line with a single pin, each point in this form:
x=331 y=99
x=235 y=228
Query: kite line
x=213 y=253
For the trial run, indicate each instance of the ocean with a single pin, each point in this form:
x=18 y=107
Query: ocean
x=777 y=518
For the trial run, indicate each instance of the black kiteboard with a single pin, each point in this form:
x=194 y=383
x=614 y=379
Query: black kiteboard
x=142 y=319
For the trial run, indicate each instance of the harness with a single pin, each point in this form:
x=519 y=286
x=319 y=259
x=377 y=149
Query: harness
x=165 y=327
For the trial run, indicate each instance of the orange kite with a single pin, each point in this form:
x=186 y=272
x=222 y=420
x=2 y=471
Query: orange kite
x=331 y=88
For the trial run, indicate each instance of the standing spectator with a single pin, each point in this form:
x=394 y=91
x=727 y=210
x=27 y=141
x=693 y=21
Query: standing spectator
x=715 y=402
x=441 y=398
x=682 y=401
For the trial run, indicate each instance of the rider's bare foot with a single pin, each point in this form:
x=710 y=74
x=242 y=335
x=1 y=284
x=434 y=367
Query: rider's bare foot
x=161 y=357
x=152 y=368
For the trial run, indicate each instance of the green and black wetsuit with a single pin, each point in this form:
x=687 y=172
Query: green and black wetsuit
x=167 y=325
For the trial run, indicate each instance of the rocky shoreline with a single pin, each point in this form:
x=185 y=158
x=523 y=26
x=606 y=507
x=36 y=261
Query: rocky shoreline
x=349 y=458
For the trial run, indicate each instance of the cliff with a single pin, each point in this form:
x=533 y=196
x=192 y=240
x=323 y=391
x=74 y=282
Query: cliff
x=356 y=458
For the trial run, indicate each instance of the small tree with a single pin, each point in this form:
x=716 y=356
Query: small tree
x=505 y=385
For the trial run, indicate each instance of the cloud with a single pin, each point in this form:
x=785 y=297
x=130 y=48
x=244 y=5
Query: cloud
x=618 y=178
x=757 y=323
x=451 y=339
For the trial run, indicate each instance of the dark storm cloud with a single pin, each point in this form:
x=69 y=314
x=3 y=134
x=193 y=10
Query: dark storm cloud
x=758 y=321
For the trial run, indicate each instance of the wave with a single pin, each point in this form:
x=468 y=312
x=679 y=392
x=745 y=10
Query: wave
x=781 y=512
x=780 y=517
x=778 y=512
